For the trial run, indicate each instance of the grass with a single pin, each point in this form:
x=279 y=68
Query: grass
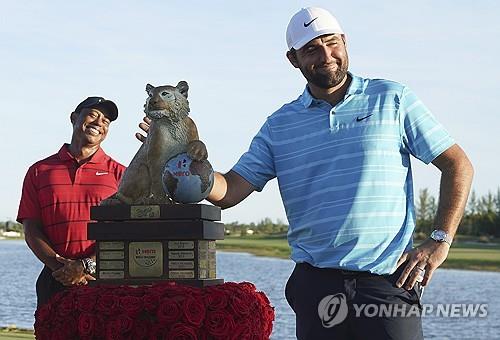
x=465 y=255
x=8 y=333
x=261 y=246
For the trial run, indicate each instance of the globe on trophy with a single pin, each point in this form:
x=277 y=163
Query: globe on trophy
x=187 y=180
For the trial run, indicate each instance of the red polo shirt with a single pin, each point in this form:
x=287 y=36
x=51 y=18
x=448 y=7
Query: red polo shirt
x=59 y=192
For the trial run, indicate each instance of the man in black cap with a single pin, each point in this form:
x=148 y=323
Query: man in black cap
x=58 y=192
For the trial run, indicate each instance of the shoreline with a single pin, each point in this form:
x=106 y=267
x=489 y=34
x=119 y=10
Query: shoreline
x=446 y=265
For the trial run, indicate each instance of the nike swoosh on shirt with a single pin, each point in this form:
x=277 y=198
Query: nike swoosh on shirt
x=310 y=22
x=358 y=119
x=97 y=173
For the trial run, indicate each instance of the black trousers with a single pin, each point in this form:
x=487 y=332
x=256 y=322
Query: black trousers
x=335 y=304
x=46 y=286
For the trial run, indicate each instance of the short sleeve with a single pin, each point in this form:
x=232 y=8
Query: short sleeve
x=29 y=206
x=257 y=164
x=422 y=135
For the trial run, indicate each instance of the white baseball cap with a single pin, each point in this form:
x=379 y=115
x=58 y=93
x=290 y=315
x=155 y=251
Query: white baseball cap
x=308 y=24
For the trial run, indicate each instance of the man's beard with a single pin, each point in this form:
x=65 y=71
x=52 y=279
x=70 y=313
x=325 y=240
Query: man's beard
x=328 y=80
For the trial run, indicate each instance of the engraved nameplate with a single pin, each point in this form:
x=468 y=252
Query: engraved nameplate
x=181 y=274
x=111 y=265
x=111 y=274
x=145 y=259
x=144 y=211
x=202 y=245
x=111 y=255
x=212 y=264
x=180 y=244
x=203 y=264
x=181 y=264
x=203 y=274
x=111 y=245
x=181 y=254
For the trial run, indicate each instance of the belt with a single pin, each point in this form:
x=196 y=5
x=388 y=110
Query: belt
x=343 y=272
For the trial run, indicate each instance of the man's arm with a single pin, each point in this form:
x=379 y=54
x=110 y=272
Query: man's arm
x=66 y=271
x=39 y=244
x=456 y=179
x=229 y=189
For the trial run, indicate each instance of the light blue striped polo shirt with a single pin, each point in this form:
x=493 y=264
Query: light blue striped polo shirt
x=344 y=172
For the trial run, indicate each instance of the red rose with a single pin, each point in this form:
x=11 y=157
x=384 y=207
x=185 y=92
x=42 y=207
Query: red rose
x=267 y=321
x=216 y=299
x=113 y=331
x=263 y=298
x=151 y=302
x=65 y=305
x=168 y=311
x=100 y=326
x=241 y=303
x=243 y=331
x=43 y=313
x=248 y=286
x=131 y=305
x=86 y=324
x=125 y=322
x=68 y=329
x=219 y=323
x=194 y=311
x=141 y=329
x=107 y=304
x=182 y=332
x=86 y=302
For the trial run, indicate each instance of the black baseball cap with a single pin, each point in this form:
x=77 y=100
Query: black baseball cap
x=107 y=106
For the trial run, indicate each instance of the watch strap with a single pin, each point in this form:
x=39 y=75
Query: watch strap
x=89 y=266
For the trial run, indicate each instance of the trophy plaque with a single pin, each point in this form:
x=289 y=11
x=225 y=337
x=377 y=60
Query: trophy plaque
x=143 y=244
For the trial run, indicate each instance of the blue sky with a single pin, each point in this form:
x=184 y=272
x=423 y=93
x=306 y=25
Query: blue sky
x=232 y=54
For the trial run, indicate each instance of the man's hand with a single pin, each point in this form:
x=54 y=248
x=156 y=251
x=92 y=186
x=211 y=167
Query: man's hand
x=427 y=257
x=144 y=126
x=71 y=273
x=197 y=150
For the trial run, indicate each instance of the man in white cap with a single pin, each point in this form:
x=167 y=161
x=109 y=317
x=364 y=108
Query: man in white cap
x=341 y=154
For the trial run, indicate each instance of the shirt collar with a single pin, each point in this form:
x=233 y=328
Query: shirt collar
x=356 y=87
x=98 y=157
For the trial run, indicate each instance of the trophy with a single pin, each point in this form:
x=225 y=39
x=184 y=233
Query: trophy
x=143 y=235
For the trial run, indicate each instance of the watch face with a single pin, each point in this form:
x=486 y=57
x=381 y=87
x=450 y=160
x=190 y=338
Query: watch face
x=439 y=235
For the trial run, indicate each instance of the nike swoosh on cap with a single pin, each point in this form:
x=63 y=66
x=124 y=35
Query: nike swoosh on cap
x=310 y=22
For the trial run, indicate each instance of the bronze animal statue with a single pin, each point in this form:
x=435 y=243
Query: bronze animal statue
x=171 y=132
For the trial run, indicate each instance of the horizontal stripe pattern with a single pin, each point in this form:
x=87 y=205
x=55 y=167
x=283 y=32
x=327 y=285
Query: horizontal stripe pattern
x=344 y=172
x=60 y=193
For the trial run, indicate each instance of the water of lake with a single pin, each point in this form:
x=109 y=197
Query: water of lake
x=19 y=269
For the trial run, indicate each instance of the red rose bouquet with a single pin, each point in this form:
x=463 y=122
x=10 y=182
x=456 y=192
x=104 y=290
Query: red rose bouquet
x=161 y=311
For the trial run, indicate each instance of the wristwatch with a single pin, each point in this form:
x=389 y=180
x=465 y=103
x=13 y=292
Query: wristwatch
x=439 y=235
x=88 y=266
